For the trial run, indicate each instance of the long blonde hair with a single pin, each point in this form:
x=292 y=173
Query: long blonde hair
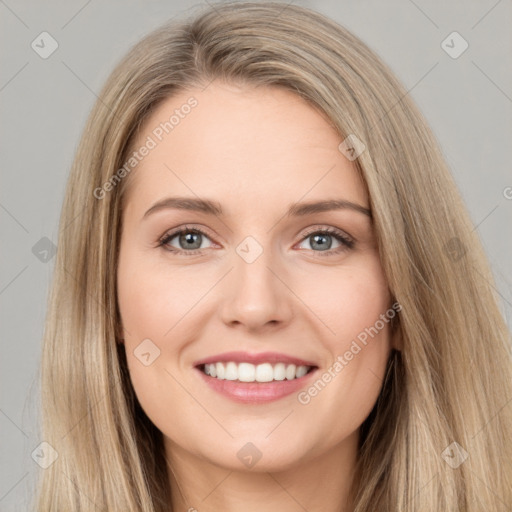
x=452 y=378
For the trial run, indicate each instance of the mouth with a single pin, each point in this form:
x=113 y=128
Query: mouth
x=261 y=373
x=252 y=378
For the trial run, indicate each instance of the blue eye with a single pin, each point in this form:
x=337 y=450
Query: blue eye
x=322 y=240
x=190 y=241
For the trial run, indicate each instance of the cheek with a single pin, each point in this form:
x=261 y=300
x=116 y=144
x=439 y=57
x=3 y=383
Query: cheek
x=348 y=300
x=151 y=303
x=152 y=300
x=156 y=302
x=352 y=305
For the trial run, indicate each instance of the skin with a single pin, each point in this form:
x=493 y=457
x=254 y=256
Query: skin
x=255 y=151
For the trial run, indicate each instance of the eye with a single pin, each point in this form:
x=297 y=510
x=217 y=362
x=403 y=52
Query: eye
x=189 y=240
x=321 y=241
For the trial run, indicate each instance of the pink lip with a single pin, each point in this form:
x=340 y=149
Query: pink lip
x=246 y=357
x=256 y=392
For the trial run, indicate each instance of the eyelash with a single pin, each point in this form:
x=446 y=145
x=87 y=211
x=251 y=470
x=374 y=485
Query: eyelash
x=346 y=242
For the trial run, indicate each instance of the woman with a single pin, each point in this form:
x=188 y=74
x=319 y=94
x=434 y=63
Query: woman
x=268 y=294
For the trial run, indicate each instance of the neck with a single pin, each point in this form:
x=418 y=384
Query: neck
x=320 y=483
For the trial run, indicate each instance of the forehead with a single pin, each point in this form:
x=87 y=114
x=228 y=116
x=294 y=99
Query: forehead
x=234 y=142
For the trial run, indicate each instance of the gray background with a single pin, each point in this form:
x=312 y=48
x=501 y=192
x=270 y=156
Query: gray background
x=44 y=104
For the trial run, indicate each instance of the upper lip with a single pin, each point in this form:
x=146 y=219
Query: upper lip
x=262 y=357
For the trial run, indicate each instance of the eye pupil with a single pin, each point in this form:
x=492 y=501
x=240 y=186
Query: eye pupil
x=321 y=245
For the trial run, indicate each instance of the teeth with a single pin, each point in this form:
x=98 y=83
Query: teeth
x=247 y=372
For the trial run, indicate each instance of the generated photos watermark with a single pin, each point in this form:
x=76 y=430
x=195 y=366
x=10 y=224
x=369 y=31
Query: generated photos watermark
x=342 y=360
x=151 y=142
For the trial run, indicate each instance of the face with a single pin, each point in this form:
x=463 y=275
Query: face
x=254 y=272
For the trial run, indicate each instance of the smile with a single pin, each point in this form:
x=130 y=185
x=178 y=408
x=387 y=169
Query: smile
x=248 y=372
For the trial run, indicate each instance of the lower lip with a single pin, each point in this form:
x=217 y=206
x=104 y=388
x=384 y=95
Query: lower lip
x=256 y=392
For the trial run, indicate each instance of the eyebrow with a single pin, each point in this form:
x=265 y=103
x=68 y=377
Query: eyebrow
x=294 y=210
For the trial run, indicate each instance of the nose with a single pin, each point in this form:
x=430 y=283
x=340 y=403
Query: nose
x=255 y=295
